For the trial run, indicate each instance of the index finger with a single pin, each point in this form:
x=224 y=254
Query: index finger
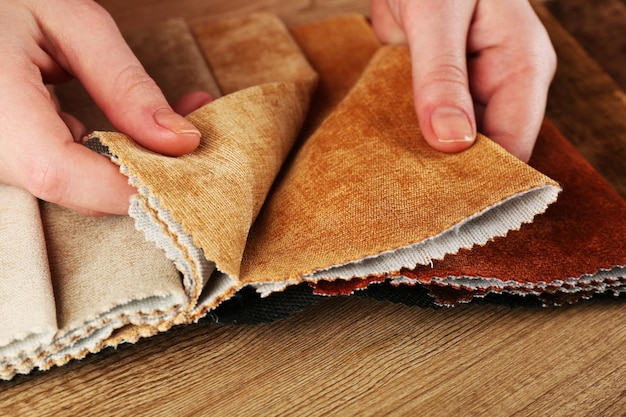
x=87 y=42
x=38 y=153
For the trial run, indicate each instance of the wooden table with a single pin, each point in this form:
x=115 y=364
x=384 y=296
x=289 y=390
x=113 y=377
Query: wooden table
x=364 y=357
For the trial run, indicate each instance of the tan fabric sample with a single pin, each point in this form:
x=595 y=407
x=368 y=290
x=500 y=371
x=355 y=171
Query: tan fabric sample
x=216 y=192
x=210 y=198
x=366 y=184
x=348 y=45
x=250 y=51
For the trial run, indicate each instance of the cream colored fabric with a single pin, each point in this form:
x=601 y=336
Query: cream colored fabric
x=96 y=275
x=105 y=276
x=27 y=312
x=249 y=208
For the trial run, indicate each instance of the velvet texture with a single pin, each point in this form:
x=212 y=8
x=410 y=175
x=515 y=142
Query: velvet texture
x=359 y=186
x=570 y=252
x=339 y=187
x=566 y=254
x=308 y=171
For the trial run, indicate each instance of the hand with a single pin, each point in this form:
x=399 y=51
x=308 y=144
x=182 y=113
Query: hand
x=48 y=42
x=477 y=65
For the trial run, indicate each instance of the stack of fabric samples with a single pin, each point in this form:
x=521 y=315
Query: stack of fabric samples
x=311 y=179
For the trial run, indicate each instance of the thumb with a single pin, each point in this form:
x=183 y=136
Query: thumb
x=437 y=36
x=93 y=50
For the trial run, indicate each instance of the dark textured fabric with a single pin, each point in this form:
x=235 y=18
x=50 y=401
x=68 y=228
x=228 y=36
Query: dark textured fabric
x=248 y=307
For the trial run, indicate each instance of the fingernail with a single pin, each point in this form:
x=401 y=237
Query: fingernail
x=175 y=123
x=451 y=125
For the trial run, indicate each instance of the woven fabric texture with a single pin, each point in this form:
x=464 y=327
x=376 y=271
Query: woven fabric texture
x=311 y=171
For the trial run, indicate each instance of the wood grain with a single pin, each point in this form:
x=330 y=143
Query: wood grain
x=587 y=105
x=363 y=357
x=352 y=357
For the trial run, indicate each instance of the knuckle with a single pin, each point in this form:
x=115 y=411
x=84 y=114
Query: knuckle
x=531 y=61
x=91 y=12
x=444 y=76
x=44 y=181
x=132 y=80
x=539 y=65
x=540 y=58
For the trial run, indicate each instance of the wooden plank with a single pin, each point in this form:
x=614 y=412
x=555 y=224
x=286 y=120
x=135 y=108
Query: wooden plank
x=352 y=357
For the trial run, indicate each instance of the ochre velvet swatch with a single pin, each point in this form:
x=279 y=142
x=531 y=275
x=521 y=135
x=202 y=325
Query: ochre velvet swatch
x=338 y=201
x=311 y=168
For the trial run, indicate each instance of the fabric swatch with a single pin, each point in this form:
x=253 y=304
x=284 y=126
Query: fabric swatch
x=338 y=188
x=27 y=311
x=310 y=171
x=566 y=254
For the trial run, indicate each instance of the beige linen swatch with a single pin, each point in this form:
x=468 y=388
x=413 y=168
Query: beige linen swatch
x=27 y=313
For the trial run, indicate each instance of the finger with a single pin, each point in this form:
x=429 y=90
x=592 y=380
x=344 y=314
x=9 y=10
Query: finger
x=39 y=153
x=71 y=175
x=513 y=115
x=191 y=102
x=92 y=49
x=511 y=74
x=86 y=212
x=384 y=23
x=75 y=126
x=437 y=36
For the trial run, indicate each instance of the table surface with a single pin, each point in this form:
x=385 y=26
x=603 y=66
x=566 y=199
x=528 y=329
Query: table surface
x=349 y=356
